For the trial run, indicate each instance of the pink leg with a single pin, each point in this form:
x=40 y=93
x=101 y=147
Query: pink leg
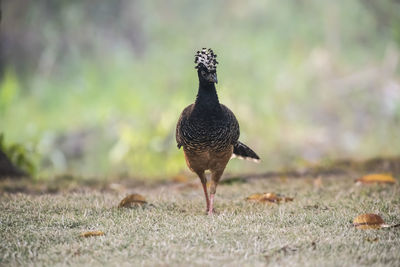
x=211 y=208
x=206 y=194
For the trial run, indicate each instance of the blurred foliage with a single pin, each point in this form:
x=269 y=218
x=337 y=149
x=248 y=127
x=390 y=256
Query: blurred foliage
x=19 y=156
x=97 y=88
x=8 y=91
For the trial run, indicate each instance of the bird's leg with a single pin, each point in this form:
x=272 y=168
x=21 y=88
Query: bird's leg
x=211 y=208
x=203 y=180
x=215 y=176
x=206 y=194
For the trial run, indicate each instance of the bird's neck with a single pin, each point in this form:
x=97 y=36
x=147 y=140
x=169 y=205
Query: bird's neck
x=207 y=98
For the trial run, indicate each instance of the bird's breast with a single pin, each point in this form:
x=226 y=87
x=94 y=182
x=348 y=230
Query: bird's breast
x=201 y=135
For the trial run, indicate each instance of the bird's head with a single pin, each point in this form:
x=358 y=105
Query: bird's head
x=206 y=65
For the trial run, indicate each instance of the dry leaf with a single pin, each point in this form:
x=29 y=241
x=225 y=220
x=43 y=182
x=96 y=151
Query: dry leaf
x=269 y=198
x=189 y=186
x=254 y=197
x=369 y=221
x=92 y=233
x=180 y=178
x=318 y=183
x=376 y=178
x=132 y=201
x=372 y=239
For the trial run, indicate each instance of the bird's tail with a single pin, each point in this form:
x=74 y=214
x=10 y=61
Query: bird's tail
x=242 y=151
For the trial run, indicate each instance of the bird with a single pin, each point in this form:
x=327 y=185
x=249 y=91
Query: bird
x=208 y=131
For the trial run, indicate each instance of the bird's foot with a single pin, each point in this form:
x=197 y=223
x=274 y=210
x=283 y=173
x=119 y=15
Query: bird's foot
x=212 y=212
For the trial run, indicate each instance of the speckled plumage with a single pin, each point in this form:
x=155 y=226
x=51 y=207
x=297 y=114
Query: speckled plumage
x=200 y=130
x=209 y=131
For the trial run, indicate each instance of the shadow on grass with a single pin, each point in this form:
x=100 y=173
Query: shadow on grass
x=72 y=183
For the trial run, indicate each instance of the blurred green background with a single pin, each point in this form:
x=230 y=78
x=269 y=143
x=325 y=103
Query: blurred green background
x=96 y=87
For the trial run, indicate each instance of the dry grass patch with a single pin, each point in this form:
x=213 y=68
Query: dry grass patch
x=315 y=229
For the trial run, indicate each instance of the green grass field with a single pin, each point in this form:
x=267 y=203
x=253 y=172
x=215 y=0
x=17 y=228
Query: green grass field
x=314 y=230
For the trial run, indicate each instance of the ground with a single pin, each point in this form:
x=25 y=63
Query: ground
x=172 y=229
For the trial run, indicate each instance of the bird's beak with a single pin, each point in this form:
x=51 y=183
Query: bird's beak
x=213 y=78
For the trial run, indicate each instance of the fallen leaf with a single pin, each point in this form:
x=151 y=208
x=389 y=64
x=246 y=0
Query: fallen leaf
x=287 y=199
x=318 y=183
x=92 y=233
x=376 y=178
x=180 y=178
x=369 y=239
x=132 y=201
x=189 y=186
x=369 y=221
x=254 y=197
x=269 y=198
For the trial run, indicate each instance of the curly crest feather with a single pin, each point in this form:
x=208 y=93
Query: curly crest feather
x=206 y=58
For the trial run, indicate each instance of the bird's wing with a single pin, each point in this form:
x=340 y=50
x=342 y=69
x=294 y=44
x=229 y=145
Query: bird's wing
x=234 y=130
x=182 y=120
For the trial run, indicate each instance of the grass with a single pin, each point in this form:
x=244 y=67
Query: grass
x=314 y=229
